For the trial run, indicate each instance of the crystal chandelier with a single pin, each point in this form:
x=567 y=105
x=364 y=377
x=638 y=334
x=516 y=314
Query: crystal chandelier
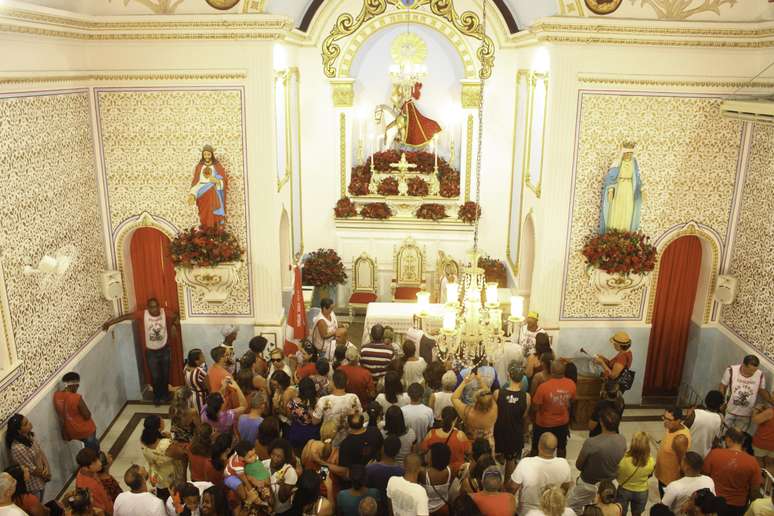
x=473 y=329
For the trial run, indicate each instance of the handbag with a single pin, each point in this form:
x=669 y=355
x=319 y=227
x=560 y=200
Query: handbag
x=620 y=486
x=625 y=379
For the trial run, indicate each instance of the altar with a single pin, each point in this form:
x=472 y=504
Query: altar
x=400 y=316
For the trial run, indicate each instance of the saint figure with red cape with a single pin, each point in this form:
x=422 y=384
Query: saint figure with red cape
x=419 y=129
x=208 y=189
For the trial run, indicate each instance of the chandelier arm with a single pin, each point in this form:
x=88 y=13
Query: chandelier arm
x=480 y=140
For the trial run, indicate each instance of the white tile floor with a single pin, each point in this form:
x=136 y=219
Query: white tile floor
x=131 y=454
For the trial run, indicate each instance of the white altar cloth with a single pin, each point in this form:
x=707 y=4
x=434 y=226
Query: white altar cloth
x=400 y=316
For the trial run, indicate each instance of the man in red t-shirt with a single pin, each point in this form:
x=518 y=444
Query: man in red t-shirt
x=551 y=406
x=74 y=416
x=359 y=379
x=736 y=474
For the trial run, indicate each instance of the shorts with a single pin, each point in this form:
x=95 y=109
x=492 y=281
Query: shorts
x=762 y=454
x=562 y=433
x=232 y=482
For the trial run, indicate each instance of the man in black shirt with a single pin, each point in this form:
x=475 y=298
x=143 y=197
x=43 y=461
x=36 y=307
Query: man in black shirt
x=361 y=445
x=610 y=399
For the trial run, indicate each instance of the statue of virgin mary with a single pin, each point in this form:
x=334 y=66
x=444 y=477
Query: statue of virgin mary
x=622 y=194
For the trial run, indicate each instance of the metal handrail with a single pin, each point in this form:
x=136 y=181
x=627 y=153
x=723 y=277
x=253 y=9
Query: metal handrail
x=768 y=482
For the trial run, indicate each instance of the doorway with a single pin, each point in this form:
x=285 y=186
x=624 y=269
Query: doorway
x=678 y=281
x=153 y=276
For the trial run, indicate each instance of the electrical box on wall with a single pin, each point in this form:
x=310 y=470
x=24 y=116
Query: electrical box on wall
x=725 y=292
x=112 y=287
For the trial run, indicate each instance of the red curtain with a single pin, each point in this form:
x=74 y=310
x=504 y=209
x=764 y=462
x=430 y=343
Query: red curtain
x=675 y=296
x=154 y=276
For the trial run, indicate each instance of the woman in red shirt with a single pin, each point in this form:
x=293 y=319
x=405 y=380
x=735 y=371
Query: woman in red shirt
x=763 y=440
x=89 y=466
x=612 y=368
x=455 y=439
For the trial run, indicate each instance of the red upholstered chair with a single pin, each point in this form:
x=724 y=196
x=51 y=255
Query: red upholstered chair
x=363 y=283
x=409 y=263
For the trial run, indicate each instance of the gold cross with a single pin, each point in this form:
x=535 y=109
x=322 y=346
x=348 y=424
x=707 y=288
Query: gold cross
x=402 y=166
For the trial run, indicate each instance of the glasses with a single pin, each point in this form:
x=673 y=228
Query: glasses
x=276 y=360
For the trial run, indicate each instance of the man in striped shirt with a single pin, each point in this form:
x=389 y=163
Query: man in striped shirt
x=376 y=356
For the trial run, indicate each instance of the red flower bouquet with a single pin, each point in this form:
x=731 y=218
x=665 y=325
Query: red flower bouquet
x=323 y=268
x=376 y=210
x=449 y=189
x=417 y=187
x=431 y=211
x=492 y=266
x=469 y=212
x=205 y=247
x=388 y=186
x=345 y=208
x=620 y=252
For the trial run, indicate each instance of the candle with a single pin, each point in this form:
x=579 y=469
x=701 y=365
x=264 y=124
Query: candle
x=371 y=140
x=435 y=150
x=496 y=318
x=452 y=292
x=449 y=320
x=517 y=306
x=491 y=294
x=423 y=300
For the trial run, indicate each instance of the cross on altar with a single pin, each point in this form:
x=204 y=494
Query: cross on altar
x=402 y=166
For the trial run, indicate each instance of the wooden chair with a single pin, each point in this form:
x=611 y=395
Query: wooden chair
x=364 y=284
x=409 y=263
x=443 y=266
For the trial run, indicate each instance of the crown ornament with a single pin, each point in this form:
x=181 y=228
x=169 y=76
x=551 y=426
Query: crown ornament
x=629 y=145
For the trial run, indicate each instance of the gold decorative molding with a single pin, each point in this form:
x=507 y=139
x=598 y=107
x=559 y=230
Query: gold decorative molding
x=690 y=229
x=571 y=8
x=85 y=77
x=8 y=351
x=343 y=152
x=143 y=220
x=440 y=25
x=471 y=94
x=681 y=10
x=468 y=156
x=513 y=261
x=467 y=24
x=343 y=92
x=533 y=79
x=283 y=77
x=618 y=81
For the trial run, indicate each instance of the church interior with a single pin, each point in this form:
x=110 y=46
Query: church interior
x=453 y=167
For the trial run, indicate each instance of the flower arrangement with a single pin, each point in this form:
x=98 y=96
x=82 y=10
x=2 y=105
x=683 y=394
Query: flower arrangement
x=424 y=161
x=323 y=268
x=205 y=247
x=449 y=189
x=431 y=211
x=417 y=187
x=469 y=212
x=345 y=208
x=361 y=178
x=620 y=252
x=492 y=266
x=388 y=186
x=376 y=210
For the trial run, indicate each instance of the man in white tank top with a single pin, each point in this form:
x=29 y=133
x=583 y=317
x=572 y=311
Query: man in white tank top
x=705 y=423
x=746 y=382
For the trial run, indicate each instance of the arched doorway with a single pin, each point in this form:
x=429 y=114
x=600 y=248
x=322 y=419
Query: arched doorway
x=526 y=258
x=680 y=267
x=284 y=246
x=153 y=276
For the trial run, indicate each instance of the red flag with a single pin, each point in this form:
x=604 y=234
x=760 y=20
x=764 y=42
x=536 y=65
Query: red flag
x=296 y=327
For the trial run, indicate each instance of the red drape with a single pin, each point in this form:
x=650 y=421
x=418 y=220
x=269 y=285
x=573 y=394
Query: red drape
x=154 y=276
x=675 y=296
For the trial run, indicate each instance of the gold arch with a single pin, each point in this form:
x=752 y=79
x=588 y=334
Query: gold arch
x=466 y=24
x=690 y=229
x=374 y=25
x=143 y=220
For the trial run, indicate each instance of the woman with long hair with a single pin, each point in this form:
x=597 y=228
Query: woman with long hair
x=512 y=409
x=269 y=430
x=413 y=366
x=195 y=373
x=215 y=503
x=437 y=478
x=300 y=408
x=534 y=364
x=307 y=499
x=394 y=393
x=165 y=458
x=633 y=473
x=223 y=421
x=183 y=414
x=281 y=394
x=606 y=499
x=199 y=453
x=27 y=501
x=395 y=424
x=219 y=454
x=26 y=452
x=479 y=418
x=451 y=436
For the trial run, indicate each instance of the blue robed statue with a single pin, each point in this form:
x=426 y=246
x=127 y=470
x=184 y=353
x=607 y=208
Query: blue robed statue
x=622 y=194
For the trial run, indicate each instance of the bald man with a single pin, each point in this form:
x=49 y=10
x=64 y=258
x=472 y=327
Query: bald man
x=533 y=474
x=551 y=406
x=406 y=497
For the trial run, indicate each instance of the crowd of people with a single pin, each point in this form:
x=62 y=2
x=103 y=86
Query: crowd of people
x=328 y=428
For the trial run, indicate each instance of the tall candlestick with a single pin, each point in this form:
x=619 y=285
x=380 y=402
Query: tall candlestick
x=435 y=151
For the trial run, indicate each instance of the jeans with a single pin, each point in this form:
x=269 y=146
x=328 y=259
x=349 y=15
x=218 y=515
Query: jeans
x=91 y=442
x=638 y=500
x=158 y=363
